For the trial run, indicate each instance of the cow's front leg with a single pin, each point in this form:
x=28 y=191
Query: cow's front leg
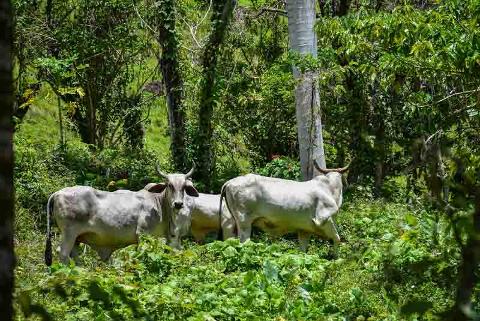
x=105 y=253
x=175 y=242
x=331 y=233
x=304 y=240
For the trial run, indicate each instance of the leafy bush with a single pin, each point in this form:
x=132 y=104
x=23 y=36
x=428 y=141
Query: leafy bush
x=282 y=167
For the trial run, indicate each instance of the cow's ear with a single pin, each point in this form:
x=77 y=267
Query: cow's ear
x=190 y=190
x=157 y=188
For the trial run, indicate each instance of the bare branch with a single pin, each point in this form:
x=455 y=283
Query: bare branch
x=274 y=10
x=146 y=24
x=453 y=95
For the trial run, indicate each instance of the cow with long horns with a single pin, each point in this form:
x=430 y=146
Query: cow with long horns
x=280 y=206
x=111 y=220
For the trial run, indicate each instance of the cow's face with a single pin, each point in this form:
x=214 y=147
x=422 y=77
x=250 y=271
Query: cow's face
x=175 y=188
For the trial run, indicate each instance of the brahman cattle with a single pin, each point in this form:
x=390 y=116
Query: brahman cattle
x=206 y=218
x=280 y=206
x=111 y=220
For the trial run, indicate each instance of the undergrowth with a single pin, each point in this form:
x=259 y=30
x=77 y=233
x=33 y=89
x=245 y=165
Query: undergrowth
x=386 y=268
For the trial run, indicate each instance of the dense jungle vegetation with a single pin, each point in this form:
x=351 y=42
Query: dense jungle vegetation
x=105 y=90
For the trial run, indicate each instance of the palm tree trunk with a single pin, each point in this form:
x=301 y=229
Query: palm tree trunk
x=6 y=162
x=301 y=22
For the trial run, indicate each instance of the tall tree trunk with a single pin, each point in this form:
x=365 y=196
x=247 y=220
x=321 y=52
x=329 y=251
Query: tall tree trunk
x=7 y=256
x=342 y=8
x=468 y=271
x=169 y=65
x=321 y=5
x=301 y=33
x=60 y=123
x=380 y=154
x=379 y=147
x=222 y=11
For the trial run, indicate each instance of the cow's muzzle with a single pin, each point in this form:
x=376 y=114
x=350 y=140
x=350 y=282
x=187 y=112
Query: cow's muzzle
x=178 y=205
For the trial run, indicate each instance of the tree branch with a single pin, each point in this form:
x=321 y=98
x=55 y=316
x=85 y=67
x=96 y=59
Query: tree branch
x=274 y=10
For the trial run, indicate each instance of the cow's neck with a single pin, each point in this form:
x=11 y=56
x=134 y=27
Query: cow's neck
x=167 y=212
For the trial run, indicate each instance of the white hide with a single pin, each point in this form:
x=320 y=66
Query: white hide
x=280 y=206
x=105 y=220
x=205 y=216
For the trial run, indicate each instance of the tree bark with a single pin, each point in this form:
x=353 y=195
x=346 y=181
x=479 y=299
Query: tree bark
x=7 y=256
x=342 y=8
x=222 y=11
x=301 y=23
x=170 y=68
x=468 y=272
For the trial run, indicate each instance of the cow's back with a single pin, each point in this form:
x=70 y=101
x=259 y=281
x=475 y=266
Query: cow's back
x=260 y=193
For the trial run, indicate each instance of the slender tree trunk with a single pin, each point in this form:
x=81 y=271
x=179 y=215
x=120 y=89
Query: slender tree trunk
x=380 y=151
x=91 y=116
x=222 y=11
x=169 y=65
x=358 y=129
x=468 y=272
x=7 y=256
x=321 y=5
x=380 y=142
x=342 y=8
x=60 y=123
x=301 y=22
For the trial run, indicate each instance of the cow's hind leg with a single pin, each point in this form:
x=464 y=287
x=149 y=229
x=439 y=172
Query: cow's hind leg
x=67 y=245
x=244 y=231
x=304 y=240
x=104 y=252
x=74 y=254
x=228 y=229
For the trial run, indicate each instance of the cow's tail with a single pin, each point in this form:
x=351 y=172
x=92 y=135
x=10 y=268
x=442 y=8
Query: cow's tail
x=48 y=243
x=220 y=230
x=222 y=196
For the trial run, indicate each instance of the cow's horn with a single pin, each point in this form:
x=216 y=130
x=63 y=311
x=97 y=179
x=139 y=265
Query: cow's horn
x=191 y=171
x=329 y=170
x=160 y=172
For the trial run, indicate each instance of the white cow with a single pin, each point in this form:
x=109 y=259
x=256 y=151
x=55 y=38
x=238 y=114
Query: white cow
x=206 y=218
x=111 y=220
x=280 y=206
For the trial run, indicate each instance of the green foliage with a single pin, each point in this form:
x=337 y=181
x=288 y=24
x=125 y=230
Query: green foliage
x=282 y=167
x=88 y=56
x=389 y=76
x=386 y=268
